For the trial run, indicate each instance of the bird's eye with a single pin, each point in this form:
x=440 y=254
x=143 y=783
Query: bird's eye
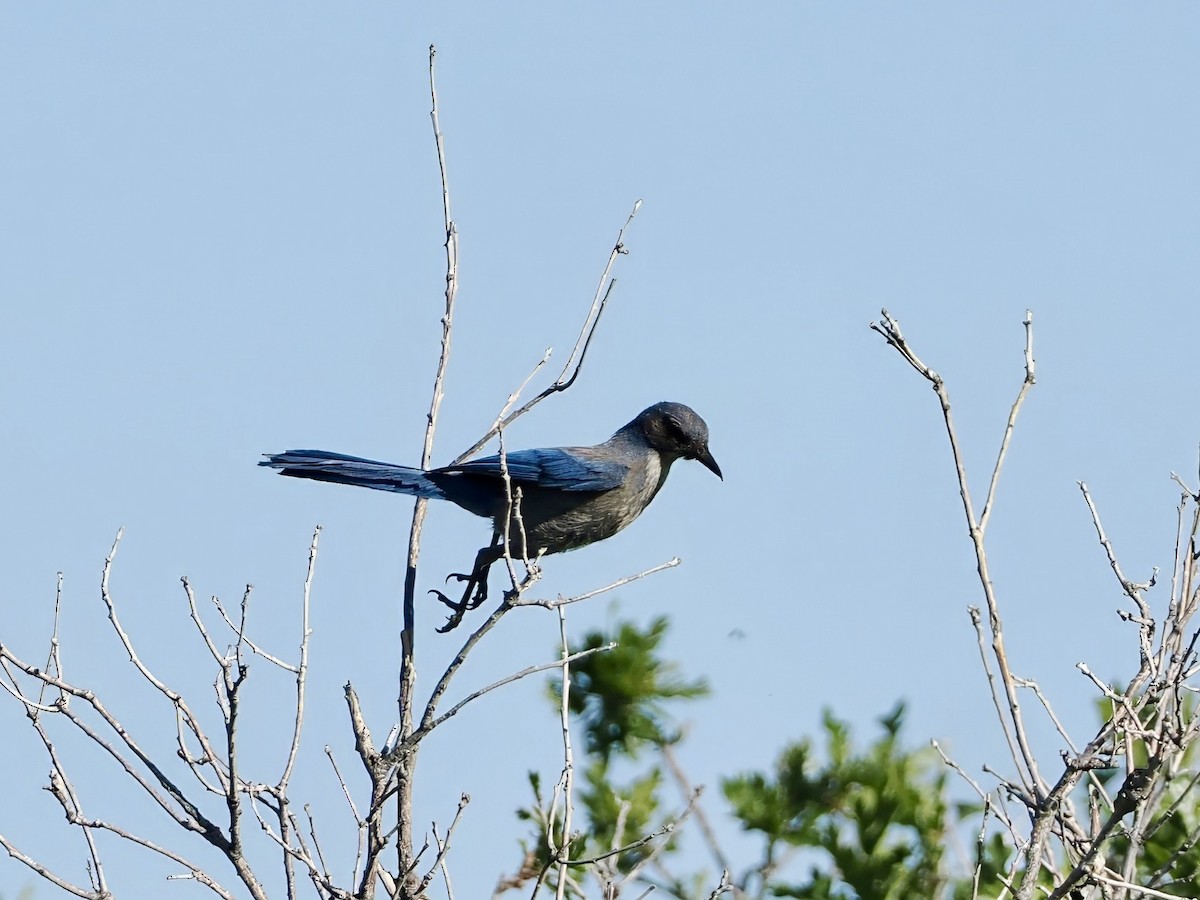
x=676 y=429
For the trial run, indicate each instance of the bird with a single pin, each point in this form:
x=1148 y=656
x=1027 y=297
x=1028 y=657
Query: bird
x=562 y=498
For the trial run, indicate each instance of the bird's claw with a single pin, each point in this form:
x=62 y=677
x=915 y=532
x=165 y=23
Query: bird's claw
x=458 y=610
x=472 y=598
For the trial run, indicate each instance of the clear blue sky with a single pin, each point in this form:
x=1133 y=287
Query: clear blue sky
x=220 y=235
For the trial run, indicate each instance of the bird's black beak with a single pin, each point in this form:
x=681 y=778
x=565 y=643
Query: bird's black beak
x=706 y=459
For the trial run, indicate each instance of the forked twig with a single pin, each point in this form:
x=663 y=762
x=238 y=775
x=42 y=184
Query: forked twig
x=578 y=353
x=889 y=328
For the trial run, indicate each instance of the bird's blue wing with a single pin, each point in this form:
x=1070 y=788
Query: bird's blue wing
x=559 y=468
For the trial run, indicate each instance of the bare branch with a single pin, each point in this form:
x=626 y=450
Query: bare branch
x=508 y=679
x=192 y=818
x=999 y=812
x=1030 y=380
x=54 y=660
x=459 y=658
x=218 y=657
x=301 y=669
x=1132 y=590
x=692 y=795
x=451 y=246
x=64 y=792
x=599 y=302
x=194 y=872
x=568 y=777
x=48 y=875
x=587 y=595
x=254 y=648
x=444 y=847
x=408 y=672
x=889 y=328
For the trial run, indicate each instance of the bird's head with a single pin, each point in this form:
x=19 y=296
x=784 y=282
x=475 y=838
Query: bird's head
x=675 y=431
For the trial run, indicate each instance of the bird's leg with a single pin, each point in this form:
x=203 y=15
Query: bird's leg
x=476 y=591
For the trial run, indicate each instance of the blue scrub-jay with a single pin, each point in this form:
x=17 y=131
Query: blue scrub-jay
x=568 y=496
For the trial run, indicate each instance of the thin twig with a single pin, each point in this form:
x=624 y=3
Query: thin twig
x=599 y=303
x=889 y=328
x=62 y=789
x=979 y=845
x=980 y=792
x=568 y=758
x=668 y=828
x=359 y=822
x=194 y=612
x=977 y=624
x=1030 y=380
x=455 y=664
x=49 y=876
x=254 y=648
x=508 y=679
x=587 y=595
x=54 y=658
x=301 y=668
x=692 y=794
x=408 y=672
x=192 y=818
x=444 y=848
x=1132 y=590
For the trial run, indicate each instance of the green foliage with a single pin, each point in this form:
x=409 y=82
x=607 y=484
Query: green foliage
x=836 y=820
x=619 y=695
x=867 y=823
x=877 y=819
x=632 y=808
x=1169 y=858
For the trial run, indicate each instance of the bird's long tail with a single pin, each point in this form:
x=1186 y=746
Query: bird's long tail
x=321 y=465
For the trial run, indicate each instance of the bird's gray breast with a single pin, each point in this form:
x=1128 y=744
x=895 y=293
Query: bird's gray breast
x=601 y=515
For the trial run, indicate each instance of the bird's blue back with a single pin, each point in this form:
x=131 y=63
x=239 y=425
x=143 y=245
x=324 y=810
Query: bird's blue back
x=559 y=468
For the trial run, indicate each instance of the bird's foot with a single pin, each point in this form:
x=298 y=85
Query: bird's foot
x=472 y=598
x=458 y=610
x=476 y=591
